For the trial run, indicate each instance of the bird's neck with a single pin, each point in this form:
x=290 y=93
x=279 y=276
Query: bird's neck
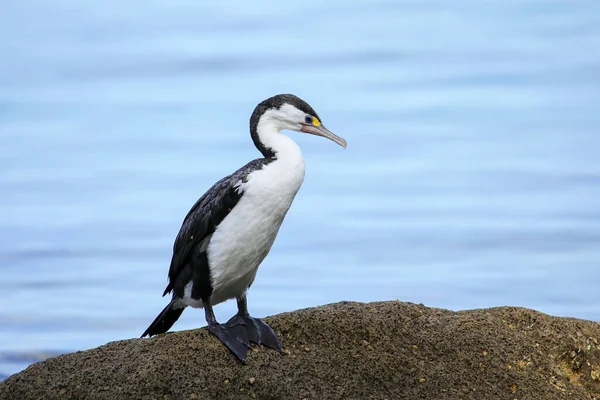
x=274 y=145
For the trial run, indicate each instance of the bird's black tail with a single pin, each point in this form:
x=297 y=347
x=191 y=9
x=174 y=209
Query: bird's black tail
x=165 y=319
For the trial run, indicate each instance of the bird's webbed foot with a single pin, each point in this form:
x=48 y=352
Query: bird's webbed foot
x=257 y=331
x=234 y=338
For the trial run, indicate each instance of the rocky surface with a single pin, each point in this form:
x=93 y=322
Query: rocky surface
x=388 y=350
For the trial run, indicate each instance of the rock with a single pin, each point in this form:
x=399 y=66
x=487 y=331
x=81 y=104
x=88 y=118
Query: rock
x=388 y=350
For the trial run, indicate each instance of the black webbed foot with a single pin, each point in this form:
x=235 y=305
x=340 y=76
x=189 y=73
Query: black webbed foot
x=257 y=331
x=234 y=338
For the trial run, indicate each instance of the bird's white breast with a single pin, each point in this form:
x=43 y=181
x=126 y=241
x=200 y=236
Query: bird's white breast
x=245 y=236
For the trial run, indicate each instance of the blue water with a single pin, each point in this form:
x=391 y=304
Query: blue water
x=471 y=177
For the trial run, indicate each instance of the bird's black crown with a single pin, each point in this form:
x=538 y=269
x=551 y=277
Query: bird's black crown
x=281 y=99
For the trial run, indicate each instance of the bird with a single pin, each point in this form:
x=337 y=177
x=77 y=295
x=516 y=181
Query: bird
x=229 y=231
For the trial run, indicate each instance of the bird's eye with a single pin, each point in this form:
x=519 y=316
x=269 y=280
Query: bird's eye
x=308 y=119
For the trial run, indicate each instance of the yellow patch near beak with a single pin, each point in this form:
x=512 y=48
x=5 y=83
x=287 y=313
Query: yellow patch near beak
x=316 y=122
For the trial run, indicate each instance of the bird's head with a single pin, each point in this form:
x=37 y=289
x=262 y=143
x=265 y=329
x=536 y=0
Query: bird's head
x=287 y=111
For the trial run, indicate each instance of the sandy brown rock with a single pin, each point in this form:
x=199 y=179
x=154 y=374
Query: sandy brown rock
x=388 y=350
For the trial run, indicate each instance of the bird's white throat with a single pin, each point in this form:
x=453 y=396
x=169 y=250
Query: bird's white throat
x=268 y=131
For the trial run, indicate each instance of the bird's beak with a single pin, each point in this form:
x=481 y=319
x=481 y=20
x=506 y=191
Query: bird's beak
x=322 y=131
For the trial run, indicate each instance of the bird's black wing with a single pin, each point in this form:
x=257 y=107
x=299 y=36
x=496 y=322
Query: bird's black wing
x=204 y=217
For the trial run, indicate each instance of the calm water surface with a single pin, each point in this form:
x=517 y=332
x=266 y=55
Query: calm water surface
x=471 y=178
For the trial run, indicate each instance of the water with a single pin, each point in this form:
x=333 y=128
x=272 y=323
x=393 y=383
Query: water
x=471 y=177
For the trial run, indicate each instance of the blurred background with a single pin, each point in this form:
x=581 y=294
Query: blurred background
x=471 y=177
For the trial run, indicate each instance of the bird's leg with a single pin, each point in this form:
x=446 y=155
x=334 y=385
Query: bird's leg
x=258 y=331
x=236 y=340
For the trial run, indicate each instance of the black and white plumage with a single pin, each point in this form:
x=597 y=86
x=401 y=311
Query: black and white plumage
x=231 y=228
